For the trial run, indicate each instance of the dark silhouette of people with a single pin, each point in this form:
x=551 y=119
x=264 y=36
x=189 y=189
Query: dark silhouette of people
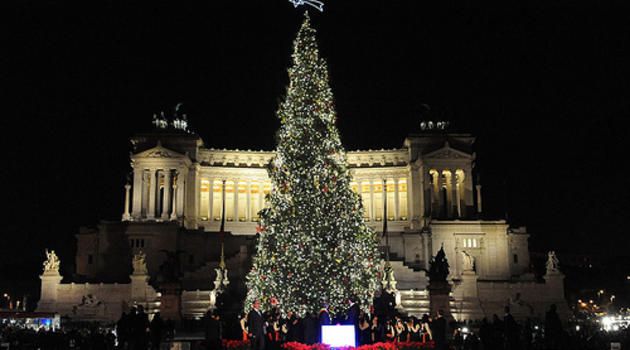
x=212 y=330
x=486 y=334
x=511 y=331
x=156 y=331
x=438 y=330
x=352 y=317
x=140 y=326
x=122 y=330
x=256 y=327
x=324 y=320
x=553 y=329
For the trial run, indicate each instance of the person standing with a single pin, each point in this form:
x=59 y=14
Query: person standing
x=438 y=331
x=256 y=327
x=212 y=330
x=156 y=331
x=324 y=320
x=511 y=331
x=352 y=318
x=553 y=328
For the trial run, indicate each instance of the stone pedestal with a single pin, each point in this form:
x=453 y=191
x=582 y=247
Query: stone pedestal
x=554 y=283
x=466 y=298
x=49 y=291
x=439 y=298
x=171 y=301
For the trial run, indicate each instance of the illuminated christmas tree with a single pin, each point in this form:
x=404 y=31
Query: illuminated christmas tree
x=314 y=246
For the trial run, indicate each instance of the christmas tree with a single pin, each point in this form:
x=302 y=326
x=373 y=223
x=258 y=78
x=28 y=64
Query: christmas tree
x=314 y=246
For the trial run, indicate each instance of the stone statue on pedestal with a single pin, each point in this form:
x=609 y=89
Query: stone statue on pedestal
x=388 y=281
x=438 y=270
x=52 y=263
x=139 y=263
x=468 y=261
x=552 y=263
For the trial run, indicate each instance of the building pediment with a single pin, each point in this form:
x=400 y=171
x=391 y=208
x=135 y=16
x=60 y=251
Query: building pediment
x=159 y=152
x=448 y=152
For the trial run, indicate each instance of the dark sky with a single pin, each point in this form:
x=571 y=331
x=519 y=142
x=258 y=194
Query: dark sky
x=545 y=88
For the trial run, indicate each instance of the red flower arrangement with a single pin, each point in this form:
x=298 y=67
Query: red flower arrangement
x=235 y=344
x=377 y=346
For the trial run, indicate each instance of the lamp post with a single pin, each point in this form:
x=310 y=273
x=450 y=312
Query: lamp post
x=8 y=297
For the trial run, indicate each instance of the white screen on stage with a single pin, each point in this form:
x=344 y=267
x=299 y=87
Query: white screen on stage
x=338 y=336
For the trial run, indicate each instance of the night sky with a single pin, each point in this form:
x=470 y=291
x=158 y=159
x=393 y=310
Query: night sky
x=545 y=88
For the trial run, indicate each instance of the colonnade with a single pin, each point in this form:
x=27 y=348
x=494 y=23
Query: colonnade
x=243 y=199
x=447 y=192
x=373 y=191
x=157 y=195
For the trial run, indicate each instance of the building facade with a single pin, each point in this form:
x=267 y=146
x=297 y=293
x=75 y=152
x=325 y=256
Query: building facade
x=180 y=189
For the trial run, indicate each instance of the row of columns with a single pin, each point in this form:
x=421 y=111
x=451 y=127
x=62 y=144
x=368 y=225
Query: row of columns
x=372 y=212
x=236 y=215
x=150 y=197
x=453 y=182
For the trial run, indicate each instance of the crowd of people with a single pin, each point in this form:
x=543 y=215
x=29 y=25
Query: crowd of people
x=268 y=331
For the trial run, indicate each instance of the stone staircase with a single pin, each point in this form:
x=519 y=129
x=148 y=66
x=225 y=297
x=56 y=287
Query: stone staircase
x=413 y=296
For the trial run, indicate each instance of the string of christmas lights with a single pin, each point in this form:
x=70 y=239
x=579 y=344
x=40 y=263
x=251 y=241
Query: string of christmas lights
x=314 y=246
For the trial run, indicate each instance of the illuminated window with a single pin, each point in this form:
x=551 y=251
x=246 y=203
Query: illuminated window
x=470 y=243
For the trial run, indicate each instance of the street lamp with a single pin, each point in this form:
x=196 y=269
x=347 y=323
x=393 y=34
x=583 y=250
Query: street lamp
x=8 y=297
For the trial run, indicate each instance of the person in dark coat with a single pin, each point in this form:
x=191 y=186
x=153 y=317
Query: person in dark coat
x=310 y=329
x=352 y=318
x=156 y=330
x=256 y=327
x=122 y=330
x=511 y=331
x=553 y=328
x=212 y=328
x=324 y=320
x=438 y=330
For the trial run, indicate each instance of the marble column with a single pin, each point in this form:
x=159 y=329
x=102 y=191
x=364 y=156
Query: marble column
x=166 y=201
x=126 y=216
x=235 y=217
x=458 y=193
x=210 y=200
x=181 y=193
x=248 y=195
x=454 y=194
x=479 y=207
x=261 y=195
x=396 y=200
x=372 y=206
x=426 y=249
x=152 y=193
x=137 y=193
x=174 y=207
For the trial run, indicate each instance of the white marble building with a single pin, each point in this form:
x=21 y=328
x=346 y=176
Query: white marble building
x=174 y=200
